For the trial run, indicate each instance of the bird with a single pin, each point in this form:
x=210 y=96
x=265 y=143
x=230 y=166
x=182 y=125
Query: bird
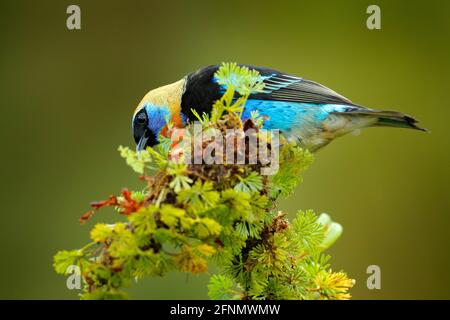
x=302 y=110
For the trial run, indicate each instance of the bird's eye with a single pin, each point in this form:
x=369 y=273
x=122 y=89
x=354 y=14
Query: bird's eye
x=141 y=118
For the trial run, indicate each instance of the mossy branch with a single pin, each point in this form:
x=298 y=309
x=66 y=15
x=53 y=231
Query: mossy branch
x=191 y=215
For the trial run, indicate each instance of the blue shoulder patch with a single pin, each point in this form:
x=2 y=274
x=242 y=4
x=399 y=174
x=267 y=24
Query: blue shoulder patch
x=285 y=115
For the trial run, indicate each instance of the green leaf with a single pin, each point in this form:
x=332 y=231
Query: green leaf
x=205 y=227
x=171 y=215
x=204 y=119
x=201 y=196
x=251 y=183
x=237 y=203
x=123 y=243
x=180 y=180
x=306 y=232
x=101 y=232
x=64 y=259
x=143 y=221
x=293 y=161
x=136 y=160
x=240 y=78
x=220 y=287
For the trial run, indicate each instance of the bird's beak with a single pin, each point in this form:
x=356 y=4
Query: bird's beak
x=142 y=141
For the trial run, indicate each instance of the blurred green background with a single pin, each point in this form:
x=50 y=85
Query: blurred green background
x=67 y=98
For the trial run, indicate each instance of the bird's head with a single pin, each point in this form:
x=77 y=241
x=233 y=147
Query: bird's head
x=154 y=111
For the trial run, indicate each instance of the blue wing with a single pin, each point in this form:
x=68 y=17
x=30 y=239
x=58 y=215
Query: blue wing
x=295 y=104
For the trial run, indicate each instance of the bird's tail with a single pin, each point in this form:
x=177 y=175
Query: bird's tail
x=390 y=119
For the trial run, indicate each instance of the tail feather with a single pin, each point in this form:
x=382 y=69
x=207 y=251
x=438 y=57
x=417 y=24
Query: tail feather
x=391 y=119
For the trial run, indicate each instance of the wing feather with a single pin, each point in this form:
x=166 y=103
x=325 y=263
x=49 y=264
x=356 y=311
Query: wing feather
x=286 y=87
